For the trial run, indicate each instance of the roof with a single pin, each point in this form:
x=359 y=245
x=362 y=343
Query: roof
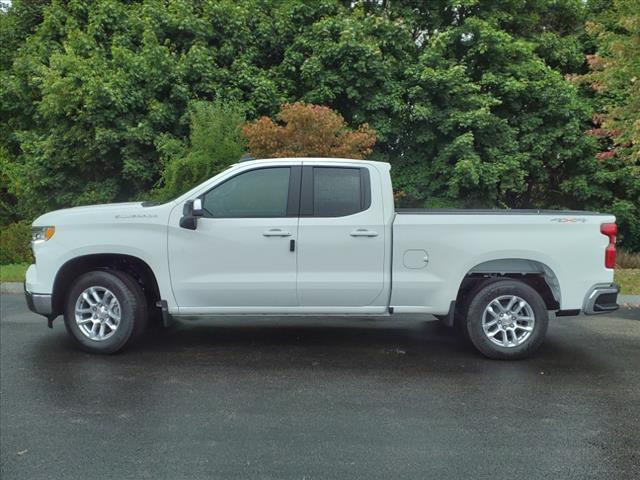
x=248 y=158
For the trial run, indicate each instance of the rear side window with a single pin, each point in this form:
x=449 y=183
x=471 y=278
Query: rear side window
x=335 y=191
x=254 y=194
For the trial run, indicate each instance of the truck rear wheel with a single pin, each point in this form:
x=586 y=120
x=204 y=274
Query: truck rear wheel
x=104 y=311
x=506 y=319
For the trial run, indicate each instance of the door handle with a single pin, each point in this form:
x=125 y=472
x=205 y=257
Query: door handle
x=276 y=232
x=363 y=232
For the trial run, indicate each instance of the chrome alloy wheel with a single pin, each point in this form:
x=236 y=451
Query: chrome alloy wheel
x=508 y=321
x=97 y=313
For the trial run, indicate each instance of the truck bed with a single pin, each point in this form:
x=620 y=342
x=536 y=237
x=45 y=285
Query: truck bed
x=488 y=211
x=434 y=248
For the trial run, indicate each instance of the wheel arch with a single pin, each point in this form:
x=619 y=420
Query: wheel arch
x=73 y=268
x=534 y=273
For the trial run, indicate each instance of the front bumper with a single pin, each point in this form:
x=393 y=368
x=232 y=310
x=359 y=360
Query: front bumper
x=601 y=298
x=39 y=303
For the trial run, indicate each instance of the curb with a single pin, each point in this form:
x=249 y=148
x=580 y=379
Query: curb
x=632 y=301
x=11 y=287
x=627 y=301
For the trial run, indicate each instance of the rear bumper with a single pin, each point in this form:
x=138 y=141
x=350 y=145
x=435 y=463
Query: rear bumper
x=39 y=303
x=601 y=298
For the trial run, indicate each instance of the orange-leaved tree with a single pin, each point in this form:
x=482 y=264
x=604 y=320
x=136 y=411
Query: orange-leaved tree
x=306 y=130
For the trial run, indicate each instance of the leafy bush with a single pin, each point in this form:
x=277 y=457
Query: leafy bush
x=14 y=243
x=216 y=142
x=308 y=131
x=6 y=207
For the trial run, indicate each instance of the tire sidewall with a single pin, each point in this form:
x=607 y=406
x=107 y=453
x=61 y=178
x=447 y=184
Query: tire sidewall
x=141 y=309
x=476 y=311
x=127 y=311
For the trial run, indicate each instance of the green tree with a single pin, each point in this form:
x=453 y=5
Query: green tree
x=215 y=143
x=98 y=88
x=610 y=180
x=469 y=99
x=488 y=123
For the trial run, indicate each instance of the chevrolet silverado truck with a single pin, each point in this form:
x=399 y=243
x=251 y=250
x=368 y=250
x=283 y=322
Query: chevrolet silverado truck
x=320 y=237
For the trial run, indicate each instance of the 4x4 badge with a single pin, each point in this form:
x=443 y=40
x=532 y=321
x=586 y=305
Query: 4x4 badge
x=568 y=220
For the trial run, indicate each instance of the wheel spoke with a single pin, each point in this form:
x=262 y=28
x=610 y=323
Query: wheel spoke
x=88 y=299
x=512 y=302
x=499 y=305
x=493 y=334
x=106 y=295
x=96 y=297
x=113 y=307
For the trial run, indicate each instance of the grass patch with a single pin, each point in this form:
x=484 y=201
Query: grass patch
x=626 y=259
x=14 y=272
x=629 y=281
x=628 y=278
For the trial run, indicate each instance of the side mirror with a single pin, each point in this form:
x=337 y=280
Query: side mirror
x=191 y=210
x=190 y=223
x=187 y=208
x=196 y=209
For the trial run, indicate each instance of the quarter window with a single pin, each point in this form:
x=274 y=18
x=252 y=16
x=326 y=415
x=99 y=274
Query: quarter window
x=258 y=193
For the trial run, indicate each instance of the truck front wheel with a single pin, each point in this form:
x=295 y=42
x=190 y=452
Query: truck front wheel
x=506 y=319
x=104 y=310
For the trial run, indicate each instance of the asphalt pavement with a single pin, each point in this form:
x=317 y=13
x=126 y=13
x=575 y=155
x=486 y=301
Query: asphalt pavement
x=322 y=398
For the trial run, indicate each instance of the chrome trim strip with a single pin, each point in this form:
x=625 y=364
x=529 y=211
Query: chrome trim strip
x=39 y=303
x=42 y=303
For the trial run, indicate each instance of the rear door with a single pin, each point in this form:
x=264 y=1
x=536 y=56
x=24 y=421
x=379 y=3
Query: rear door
x=341 y=236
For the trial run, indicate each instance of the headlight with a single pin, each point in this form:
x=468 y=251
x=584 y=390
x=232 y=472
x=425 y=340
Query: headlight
x=42 y=234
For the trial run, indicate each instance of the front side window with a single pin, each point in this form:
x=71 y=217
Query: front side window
x=258 y=193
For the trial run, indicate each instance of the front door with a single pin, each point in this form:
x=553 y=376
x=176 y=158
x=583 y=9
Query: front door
x=240 y=254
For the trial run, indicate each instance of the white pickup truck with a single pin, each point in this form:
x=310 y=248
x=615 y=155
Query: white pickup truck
x=313 y=236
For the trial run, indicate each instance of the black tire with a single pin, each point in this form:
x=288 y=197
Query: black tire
x=482 y=297
x=142 y=313
x=462 y=308
x=133 y=310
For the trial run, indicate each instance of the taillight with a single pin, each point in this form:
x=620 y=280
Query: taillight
x=610 y=230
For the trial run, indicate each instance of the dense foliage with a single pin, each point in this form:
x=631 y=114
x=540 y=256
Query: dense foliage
x=14 y=243
x=615 y=77
x=472 y=101
x=306 y=130
x=215 y=142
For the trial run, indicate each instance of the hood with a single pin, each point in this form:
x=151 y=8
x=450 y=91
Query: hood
x=108 y=211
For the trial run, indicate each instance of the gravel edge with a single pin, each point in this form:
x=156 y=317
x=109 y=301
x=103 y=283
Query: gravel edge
x=11 y=287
